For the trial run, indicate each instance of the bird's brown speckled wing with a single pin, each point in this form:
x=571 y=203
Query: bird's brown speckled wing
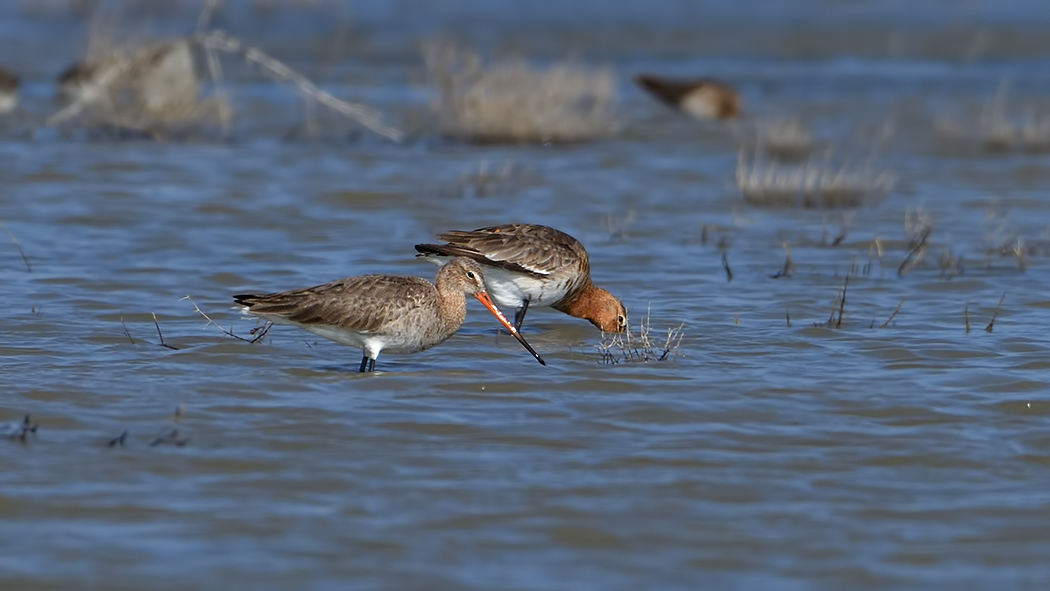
x=668 y=90
x=361 y=303
x=529 y=248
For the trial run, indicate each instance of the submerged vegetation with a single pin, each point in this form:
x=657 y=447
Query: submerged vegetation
x=639 y=345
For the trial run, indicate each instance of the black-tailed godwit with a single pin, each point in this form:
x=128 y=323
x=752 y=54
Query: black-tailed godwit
x=701 y=99
x=383 y=312
x=528 y=265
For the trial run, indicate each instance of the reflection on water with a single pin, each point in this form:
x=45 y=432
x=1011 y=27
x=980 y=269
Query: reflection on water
x=783 y=448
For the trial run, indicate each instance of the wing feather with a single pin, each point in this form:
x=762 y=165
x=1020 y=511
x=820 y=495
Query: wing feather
x=530 y=248
x=363 y=303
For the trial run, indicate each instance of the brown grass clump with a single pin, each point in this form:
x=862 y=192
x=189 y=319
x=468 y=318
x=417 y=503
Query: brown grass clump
x=810 y=186
x=513 y=102
x=152 y=88
x=641 y=346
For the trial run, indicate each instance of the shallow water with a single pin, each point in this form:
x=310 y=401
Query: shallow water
x=773 y=452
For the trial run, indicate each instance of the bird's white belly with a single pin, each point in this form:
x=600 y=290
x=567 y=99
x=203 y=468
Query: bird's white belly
x=8 y=102
x=511 y=290
x=701 y=104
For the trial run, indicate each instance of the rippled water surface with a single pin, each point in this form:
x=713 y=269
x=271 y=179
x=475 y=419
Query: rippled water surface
x=777 y=450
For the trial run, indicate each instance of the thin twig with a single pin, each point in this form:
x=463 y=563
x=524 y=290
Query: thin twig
x=787 y=316
x=1019 y=254
x=916 y=253
x=789 y=263
x=725 y=265
x=991 y=325
x=966 y=317
x=127 y=333
x=894 y=315
x=360 y=113
x=842 y=302
x=257 y=333
x=161 y=336
x=118 y=441
x=18 y=245
x=210 y=7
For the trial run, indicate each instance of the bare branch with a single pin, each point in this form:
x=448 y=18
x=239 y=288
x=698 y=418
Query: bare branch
x=364 y=115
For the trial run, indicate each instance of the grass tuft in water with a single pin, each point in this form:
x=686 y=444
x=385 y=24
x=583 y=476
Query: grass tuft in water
x=513 y=102
x=640 y=346
x=1002 y=126
x=811 y=186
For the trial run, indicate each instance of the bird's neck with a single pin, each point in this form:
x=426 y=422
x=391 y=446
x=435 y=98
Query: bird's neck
x=580 y=302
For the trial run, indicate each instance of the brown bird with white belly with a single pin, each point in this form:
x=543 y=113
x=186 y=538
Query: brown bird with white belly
x=528 y=265
x=701 y=99
x=383 y=312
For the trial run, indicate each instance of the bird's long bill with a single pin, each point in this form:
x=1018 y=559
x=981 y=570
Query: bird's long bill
x=484 y=298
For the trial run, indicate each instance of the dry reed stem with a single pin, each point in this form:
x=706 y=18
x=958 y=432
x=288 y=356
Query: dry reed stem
x=725 y=265
x=257 y=333
x=127 y=333
x=18 y=245
x=916 y=254
x=966 y=317
x=362 y=114
x=789 y=263
x=842 y=302
x=895 y=312
x=161 y=335
x=118 y=441
x=1018 y=252
x=998 y=308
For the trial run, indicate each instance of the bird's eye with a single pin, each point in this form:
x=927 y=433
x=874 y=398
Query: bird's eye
x=621 y=320
x=470 y=275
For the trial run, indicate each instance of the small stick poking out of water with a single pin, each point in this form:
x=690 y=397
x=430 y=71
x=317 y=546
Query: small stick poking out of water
x=894 y=315
x=841 y=305
x=725 y=265
x=160 y=335
x=966 y=317
x=258 y=333
x=789 y=263
x=916 y=253
x=991 y=325
x=127 y=333
x=118 y=441
x=18 y=245
x=842 y=302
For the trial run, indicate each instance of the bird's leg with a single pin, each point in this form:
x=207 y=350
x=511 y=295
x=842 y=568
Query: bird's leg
x=364 y=364
x=519 y=316
x=372 y=364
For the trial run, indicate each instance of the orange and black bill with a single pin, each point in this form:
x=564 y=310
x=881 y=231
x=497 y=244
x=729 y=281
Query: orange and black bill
x=484 y=298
